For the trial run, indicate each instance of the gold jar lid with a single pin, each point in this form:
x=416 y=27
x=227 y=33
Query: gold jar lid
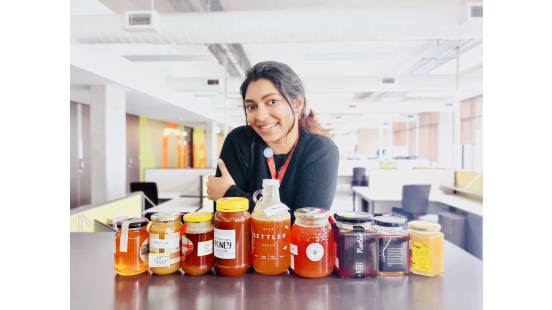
x=424 y=226
x=165 y=217
x=198 y=217
x=232 y=204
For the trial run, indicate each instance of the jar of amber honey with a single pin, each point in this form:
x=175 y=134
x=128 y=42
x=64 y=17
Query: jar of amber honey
x=270 y=231
x=426 y=248
x=197 y=243
x=312 y=243
x=232 y=238
x=131 y=246
x=164 y=255
x=394 y=256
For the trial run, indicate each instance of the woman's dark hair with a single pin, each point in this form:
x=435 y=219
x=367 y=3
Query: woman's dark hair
x=290 y=86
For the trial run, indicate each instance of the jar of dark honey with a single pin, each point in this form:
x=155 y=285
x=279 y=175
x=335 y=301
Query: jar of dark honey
x=232 y=237
x=394 y=255
x=357 y=245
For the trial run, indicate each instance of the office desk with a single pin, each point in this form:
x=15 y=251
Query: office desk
x=94 y=285
x=179 y=204
x=456 y=201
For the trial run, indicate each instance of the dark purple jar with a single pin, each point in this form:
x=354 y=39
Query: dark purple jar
x=357 y=245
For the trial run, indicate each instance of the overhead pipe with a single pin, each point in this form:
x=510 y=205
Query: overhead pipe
x=286 y=26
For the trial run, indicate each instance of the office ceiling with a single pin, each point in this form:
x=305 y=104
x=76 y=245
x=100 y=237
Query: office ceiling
x=343 y=50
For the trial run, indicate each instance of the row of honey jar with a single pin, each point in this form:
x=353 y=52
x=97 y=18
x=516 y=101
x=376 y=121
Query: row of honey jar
x=354 y=243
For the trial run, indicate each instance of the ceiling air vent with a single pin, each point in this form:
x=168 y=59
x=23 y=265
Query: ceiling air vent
x=141 y=21
x=388 y=80
x=476 y=10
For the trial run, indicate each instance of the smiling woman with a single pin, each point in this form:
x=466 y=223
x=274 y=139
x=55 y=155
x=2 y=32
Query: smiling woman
x=282 y=140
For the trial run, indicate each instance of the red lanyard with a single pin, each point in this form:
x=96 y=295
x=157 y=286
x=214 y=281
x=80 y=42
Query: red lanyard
x=282 y=170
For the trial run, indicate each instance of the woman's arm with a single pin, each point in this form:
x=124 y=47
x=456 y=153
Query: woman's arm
x=235 y=161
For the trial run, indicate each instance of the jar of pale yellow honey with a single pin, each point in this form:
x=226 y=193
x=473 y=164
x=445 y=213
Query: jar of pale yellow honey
x=426 y=246
x=164 y=253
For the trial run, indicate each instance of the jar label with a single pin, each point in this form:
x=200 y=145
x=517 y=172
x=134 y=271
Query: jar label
x=187 y=246
x=144 y=250
x=225 y=243
x=393 y=255
x=293 y=249
x=315 y=252
x=270 y=211
x=162 y=259
x=421 y=257
x=204 y=248
x=171 y=241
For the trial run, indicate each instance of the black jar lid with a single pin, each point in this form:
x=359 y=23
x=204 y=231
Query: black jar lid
x=389 y=220
x=353 y=217
x=134 y=222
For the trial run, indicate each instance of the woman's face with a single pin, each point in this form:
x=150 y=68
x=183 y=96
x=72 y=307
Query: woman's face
x=267 y=111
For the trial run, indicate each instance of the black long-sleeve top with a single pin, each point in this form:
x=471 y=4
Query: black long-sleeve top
x=310 y=179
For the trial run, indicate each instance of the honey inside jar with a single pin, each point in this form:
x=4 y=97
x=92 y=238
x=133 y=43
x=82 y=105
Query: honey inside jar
x=197 y=243
x=131 y=246
x=164 y=255
x=426 y=246
x=232 y=239
x=312 y=245
x=270 y=231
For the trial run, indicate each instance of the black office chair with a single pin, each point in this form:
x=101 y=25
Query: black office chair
x=359 y=177
x=149 y=189
x=415 y=201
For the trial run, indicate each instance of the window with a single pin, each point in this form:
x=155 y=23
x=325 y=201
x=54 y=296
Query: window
x=471 y=119
x=429 y=136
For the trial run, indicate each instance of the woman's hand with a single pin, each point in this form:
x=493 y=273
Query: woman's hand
x=217 y=186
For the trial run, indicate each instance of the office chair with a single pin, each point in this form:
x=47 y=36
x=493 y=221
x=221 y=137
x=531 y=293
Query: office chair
x=149 y=189
x=415 y=201
x=359 y=177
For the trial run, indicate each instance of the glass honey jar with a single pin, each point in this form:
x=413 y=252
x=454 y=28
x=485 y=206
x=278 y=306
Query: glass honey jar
x=164 y=255
x=270 y=231
x=312 y=243
x=197 y=243
x=131 y=246
x=394 y=256
x=426 y=247
x=232 y=239
x=357 y=245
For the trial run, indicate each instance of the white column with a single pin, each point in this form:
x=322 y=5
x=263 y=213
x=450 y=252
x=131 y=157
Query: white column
x=211 y=144
x=108 y=142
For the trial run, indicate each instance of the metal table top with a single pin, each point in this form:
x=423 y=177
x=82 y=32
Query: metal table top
x=95 y=285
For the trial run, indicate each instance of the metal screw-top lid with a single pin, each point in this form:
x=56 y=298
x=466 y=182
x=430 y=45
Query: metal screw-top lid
x=353 y=217
x=424 y=226
x=311 y=213
x=389 y=220
x=165 y=217
x=134 y=222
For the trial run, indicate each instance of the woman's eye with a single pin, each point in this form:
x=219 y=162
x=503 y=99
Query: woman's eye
x=273 y=101
x=250 y=107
